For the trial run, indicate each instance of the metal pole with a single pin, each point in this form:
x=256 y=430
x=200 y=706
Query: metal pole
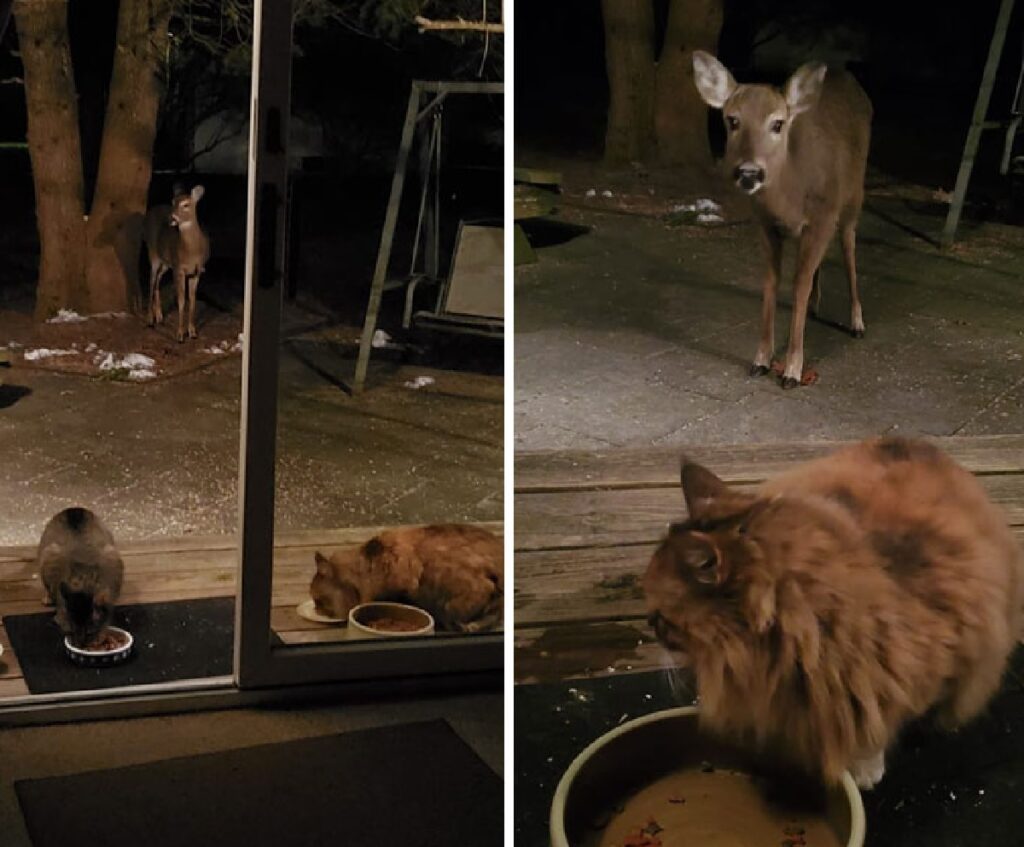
x=386 y=239
x=988 y=78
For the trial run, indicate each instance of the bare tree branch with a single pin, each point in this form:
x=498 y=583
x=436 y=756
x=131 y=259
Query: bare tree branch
x=459 y=24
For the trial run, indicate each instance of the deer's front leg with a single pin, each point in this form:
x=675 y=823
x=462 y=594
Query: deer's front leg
x=179 y=284
x=766 y=347
x=193 y=285
x=813 y=244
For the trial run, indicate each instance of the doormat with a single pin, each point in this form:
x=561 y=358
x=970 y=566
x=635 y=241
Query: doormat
x=183 y=639
x=410 y=785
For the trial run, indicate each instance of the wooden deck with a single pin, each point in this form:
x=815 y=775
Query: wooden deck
x=184 y=569
x=586 y=524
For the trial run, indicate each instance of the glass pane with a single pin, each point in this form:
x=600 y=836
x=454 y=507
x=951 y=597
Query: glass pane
x=392 y=495
x=134 y=427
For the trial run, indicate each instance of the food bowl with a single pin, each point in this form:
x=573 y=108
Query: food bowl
x=388 y=620
x=101 y=658
x=637 y=754
x=307 y=609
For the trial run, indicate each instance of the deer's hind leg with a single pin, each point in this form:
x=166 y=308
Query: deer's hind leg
x=179 y=285
x=849 y=238
x=193 y=286
x=766 y=347
x=156 y=272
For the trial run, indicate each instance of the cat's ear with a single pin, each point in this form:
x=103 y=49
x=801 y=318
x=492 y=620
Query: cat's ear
x=700 y=488
x=700 y=558
x=323 y=564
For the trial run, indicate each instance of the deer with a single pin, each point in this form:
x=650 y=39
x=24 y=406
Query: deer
x=800 y=153
x=176 y=242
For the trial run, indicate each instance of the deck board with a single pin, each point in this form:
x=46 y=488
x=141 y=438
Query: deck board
x=586 y=525
x=189 y=568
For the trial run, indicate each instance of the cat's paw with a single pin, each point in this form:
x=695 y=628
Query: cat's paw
x=867 y=773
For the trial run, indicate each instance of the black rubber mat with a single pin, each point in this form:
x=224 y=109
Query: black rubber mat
x=183 y=639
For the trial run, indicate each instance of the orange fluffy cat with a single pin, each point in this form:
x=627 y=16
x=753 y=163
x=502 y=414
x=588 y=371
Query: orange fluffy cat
x=840 y=601
x=453 y=571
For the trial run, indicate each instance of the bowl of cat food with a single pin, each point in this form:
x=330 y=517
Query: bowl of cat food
x=111 y=647
x=388 y=620
x=657 y=781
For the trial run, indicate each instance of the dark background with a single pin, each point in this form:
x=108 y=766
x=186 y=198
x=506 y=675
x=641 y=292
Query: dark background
x=921 y=64
x=353 y=86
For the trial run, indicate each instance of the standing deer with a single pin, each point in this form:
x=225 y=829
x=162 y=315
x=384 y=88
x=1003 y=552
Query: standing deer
x=800 y=153
x=175 y=241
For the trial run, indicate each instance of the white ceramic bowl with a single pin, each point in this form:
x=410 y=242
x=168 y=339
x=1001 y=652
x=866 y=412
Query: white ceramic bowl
x=100 y=658
x=359 y=618
x=640 y=751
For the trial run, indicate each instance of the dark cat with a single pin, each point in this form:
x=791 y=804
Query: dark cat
x=453 y=571
x=81 y=572
x=843 y=599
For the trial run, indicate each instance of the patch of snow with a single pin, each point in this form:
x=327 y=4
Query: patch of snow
x=138 y=365
x=13 y=345
x=591 y=192
x=381 y=339
x=709 y=218
x=607 y=193
x=46 y=353
x=703 y=206
x=66 y=316
x=91 y=347
x=216 y=351
x=419 y=382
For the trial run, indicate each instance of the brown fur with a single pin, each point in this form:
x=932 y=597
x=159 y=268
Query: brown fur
x=845 y=598
x=453 y=571
x=81 y=572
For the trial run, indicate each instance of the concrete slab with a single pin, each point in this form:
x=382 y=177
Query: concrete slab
x=162 y=459
x=640 y=333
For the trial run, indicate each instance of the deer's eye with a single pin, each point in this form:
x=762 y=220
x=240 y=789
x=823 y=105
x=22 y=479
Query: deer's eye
x=776 y=125
x=732 y=122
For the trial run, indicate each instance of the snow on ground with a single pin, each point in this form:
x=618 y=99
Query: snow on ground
x=45 y=353
x=419 y=382
x=137 y=365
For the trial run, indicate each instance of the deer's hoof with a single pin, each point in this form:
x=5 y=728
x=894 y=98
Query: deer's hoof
x=193 y=334
x=857 y=333
x=181 y=338
x=759 y=370
x=788 y=382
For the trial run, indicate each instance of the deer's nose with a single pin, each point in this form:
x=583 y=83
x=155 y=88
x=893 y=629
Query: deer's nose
x=748 y=175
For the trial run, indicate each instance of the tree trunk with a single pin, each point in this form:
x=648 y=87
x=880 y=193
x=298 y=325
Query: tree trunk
x=680 y=116
x=114 y=230
x=54 y=150
x=629 y=56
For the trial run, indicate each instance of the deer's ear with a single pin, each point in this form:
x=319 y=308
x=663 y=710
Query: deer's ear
x=804 y=87
x=700 y=488
x=712 y=78
x=197 y=193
